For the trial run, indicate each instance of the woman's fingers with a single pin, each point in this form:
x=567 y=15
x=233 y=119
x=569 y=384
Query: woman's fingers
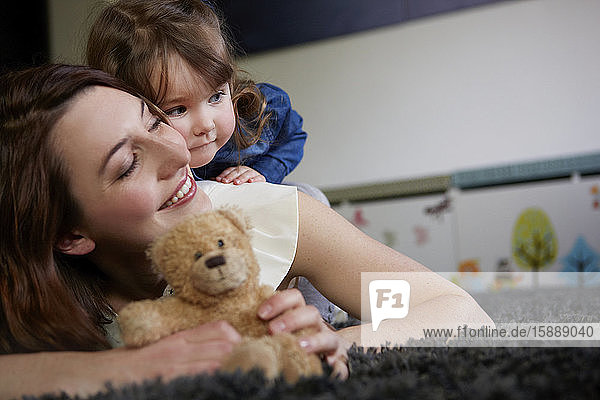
x=340 y=368
x=296 y=319
x=331 y=347
x=212 y=341
x=325 y=341
x=211 y=331
x=287 y=311
x=280 y=302
x=276 y=306
x=196 y=350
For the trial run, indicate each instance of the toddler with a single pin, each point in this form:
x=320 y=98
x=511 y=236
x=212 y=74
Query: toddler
x=175 y=53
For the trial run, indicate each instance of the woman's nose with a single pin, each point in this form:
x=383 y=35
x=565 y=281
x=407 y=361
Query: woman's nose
x=171 y=152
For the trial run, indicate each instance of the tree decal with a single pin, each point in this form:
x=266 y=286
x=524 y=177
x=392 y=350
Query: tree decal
x=581 y=259
x=534 y=244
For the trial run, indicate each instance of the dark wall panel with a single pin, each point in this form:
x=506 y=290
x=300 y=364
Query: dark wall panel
x=260 y=25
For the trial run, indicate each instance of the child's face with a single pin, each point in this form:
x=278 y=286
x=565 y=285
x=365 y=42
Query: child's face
x=204 y=116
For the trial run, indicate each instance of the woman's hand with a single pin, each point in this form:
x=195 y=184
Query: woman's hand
x=287 y=311
x=240 y=174
x=193 y=351
x=80 y=373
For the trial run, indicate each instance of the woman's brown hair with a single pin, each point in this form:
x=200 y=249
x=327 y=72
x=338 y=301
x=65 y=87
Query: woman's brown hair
x=134 y=39
x=48 y=301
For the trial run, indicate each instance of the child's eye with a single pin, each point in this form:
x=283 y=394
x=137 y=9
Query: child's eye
x=176 y=111
x=215 y=98
x=132 y=167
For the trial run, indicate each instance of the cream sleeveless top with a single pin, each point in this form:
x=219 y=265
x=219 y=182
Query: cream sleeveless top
x=273 y=214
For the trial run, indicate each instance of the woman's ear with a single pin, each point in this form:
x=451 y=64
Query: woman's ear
x=74 y=244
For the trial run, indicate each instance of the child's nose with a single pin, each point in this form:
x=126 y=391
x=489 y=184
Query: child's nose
x=203 y=124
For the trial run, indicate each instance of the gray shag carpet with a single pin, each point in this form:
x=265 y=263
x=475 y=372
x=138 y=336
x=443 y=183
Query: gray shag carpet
x=429 y=372
x=407 y=373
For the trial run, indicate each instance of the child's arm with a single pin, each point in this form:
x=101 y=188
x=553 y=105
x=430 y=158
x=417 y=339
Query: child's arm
x=283 y=135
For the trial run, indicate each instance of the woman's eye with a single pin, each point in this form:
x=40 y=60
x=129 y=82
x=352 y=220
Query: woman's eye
x=215 y=98
x=176 y=112
x=155 y=124
x=134 y=164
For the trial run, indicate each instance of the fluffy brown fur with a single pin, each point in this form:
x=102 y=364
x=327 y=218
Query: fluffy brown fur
x=211 y=266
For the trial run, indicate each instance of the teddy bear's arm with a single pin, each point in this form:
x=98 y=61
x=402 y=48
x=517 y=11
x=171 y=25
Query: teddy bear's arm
x=146 y=321
x=264 y=292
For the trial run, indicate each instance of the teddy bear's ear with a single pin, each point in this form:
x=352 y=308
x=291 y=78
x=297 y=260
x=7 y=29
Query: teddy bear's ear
x=236 y=216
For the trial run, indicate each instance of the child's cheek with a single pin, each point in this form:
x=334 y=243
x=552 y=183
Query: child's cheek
x=228 y=124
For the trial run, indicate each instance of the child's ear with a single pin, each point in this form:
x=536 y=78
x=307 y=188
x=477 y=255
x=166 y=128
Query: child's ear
x=75 y=244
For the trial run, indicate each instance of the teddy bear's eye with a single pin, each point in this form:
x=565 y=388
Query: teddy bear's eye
x=197 y=255
x=220 y=243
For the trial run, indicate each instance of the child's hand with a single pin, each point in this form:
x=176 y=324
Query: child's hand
x=286 y=311
x=240 y=174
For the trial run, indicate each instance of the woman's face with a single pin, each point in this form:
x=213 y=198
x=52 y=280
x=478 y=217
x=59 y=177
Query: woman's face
x=128 y=171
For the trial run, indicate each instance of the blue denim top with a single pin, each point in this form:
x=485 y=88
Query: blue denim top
x=279 y=150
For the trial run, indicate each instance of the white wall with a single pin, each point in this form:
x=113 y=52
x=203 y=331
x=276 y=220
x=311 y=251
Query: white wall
x=69 y=22
x=510 y=82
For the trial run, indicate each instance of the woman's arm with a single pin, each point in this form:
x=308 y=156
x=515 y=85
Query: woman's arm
x=189 y=352
x=83 y=373
x=332 y=253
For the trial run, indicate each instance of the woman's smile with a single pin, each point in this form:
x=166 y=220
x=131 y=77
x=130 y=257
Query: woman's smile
x=184 y=193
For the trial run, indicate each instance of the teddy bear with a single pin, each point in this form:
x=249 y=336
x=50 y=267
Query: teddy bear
x=210 y=265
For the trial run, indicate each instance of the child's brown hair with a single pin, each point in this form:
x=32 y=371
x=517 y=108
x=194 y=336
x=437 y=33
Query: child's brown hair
x=134 y=39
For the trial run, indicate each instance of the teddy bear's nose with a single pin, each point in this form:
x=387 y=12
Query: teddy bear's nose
x=215 y=261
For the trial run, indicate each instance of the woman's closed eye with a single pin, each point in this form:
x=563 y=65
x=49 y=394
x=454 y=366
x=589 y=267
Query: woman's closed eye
x=155 y=124
x=135 y=162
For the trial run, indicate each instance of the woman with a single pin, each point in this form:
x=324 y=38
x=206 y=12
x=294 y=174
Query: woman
x=88 y=170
